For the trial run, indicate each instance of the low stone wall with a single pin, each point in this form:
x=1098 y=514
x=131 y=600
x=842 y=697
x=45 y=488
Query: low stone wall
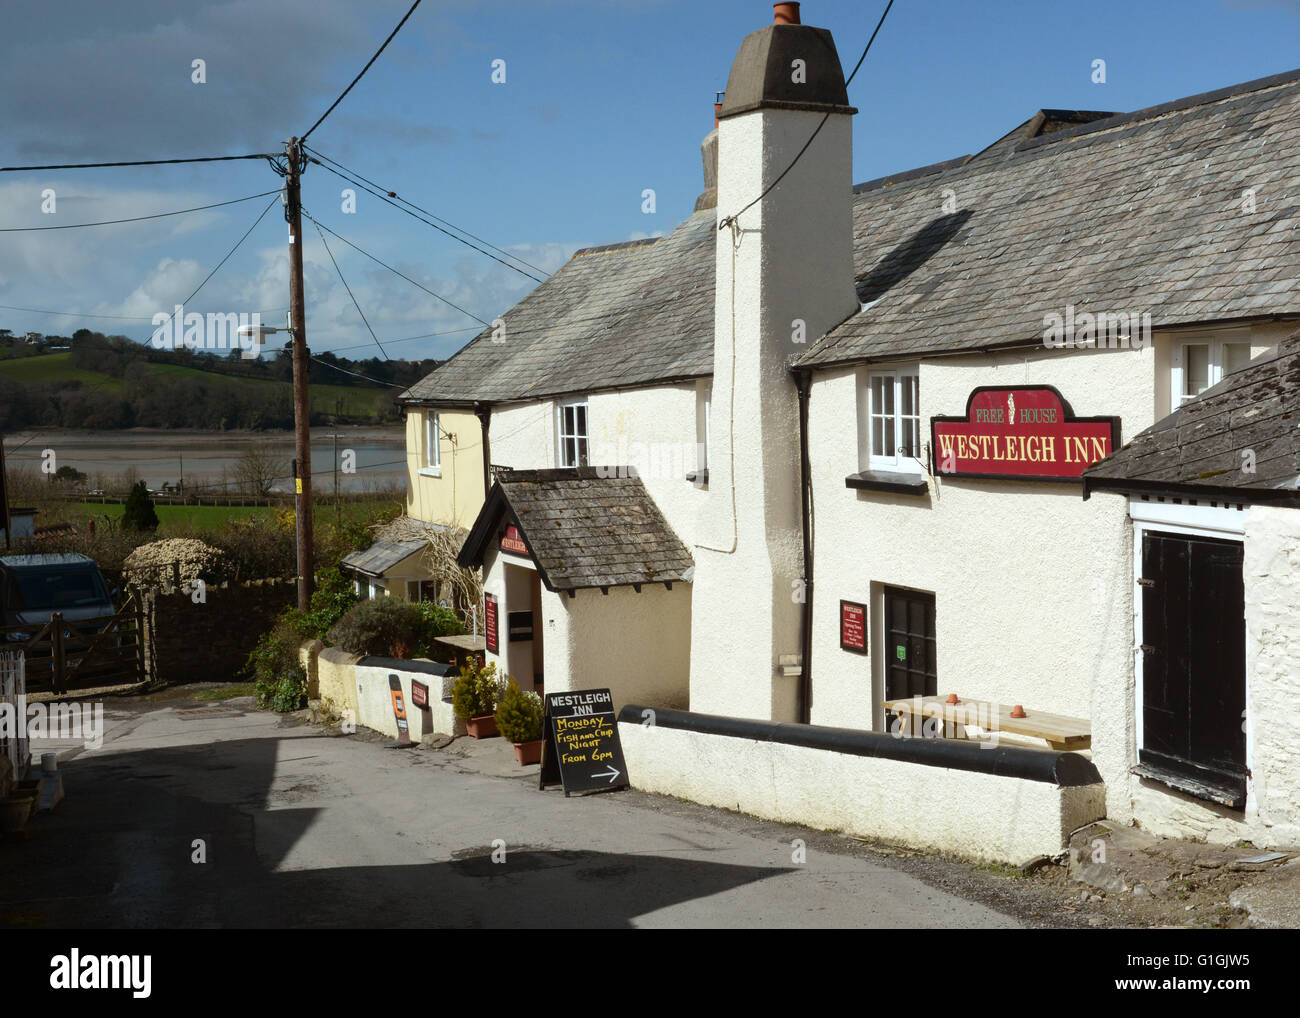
x=357 y=689
x=210 y=641
x=375 y=703
x=973 y=813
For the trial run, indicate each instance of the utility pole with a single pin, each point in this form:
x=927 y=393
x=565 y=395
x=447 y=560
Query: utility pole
x=301 y=401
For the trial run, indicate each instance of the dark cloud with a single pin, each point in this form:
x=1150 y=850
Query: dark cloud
x=87 y=79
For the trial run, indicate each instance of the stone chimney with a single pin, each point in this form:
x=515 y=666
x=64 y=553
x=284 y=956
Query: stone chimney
x=784 y=259
x=709 y=153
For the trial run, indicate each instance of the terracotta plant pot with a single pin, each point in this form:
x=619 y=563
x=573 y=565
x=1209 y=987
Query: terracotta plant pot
x=528 y=752
x=482 y=727
x=14 y=813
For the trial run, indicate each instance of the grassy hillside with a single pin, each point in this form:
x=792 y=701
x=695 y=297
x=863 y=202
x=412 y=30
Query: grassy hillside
x=357 y=401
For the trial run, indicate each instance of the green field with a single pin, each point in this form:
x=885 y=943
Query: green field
x=358 y=401
x=211 y=517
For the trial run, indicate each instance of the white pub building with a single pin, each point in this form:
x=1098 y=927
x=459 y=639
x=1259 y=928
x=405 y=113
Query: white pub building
x=820 y=454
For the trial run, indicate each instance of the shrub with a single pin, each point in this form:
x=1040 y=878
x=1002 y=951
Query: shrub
x=138 y=513
x=150 y=565
x=330 y=601
x=477 y=690
x=276 y=653
x=519 y=714
x=438 y=621
x=285 y=694
x=386 y=626
x=256 y=549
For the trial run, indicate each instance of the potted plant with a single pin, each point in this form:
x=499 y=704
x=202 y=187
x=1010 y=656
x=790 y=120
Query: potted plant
x=15 y=809
x=474 y=697
x=519 y=719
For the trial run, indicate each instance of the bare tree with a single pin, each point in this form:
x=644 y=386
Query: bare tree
x=257 y=470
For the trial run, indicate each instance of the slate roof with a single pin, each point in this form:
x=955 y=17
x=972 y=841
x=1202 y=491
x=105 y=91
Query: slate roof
x=635 y=313
x=1126 y=212
x=1200 y=448
x=583 y=530
x=1139 y=212
x=381 y=556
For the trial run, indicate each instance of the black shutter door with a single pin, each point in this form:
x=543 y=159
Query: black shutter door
x=1194 y=654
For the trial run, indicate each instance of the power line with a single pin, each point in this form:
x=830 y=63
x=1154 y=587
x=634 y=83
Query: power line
x=729 y=220
x=363 y=71
x=349 y=290
x=135 y=219
x=136 y=162
x=408 y=339
x=357 y=374
x=231 y=251
x=123 y=318
x=397 y=273
x=383 y=194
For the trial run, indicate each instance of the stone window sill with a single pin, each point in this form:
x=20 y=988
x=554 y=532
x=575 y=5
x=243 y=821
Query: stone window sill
x=882 y=480
x=430 y=471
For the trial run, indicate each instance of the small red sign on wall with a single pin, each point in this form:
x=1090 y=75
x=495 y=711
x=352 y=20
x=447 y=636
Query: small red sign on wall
x=490 y=622
x=419 y=694
x=853 y=626
x=513 y=541
x=1020 y=432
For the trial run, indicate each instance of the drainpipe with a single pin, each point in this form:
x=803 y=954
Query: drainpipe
x=803 y=380
x=483 y=411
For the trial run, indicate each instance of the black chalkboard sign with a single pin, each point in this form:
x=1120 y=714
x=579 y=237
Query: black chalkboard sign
x=581 y=750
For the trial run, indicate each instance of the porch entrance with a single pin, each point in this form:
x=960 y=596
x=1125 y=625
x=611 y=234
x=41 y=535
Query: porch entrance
x=522 y=638
x=909 y=649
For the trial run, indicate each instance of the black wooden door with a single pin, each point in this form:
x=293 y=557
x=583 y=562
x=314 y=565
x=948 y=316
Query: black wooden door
x=909 y=646
x=1194 y=655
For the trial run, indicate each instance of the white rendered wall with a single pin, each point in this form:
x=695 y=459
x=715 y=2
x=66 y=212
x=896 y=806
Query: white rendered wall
x=970 y=814
x=789 y=261
x=1032 y=584
x=1271 y=819
x=635 y=645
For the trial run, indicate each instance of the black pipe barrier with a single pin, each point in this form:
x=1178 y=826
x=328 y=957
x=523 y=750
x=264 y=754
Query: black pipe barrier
x=1048 y=765
x=396 y=664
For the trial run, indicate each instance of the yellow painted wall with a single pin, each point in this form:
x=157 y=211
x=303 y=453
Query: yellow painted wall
x=454 y=493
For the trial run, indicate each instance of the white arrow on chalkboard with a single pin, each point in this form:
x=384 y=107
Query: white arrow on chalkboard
x=611 y=774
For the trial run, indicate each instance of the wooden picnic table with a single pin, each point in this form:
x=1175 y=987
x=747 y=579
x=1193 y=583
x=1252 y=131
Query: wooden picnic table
x=1058 y=730
x=464 y=646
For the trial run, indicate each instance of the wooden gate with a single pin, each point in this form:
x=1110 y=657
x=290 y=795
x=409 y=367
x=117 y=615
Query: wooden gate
x=67 y=654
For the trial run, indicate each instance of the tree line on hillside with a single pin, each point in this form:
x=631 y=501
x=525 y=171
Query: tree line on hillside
x=152 y=399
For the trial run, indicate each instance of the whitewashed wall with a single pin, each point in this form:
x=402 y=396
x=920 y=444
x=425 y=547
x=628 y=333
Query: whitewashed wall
x=1271 y=573
x=971 y=814
x=1032 y=584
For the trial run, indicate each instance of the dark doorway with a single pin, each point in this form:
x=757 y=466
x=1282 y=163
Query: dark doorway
x=909 y=645
x=1194 y=661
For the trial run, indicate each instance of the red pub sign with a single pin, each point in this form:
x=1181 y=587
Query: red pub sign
x=490 y=638
x=853 y=626
x=1020 y=432
x=513 y=541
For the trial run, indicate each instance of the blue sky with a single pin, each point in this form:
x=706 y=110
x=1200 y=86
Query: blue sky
x=601 y=100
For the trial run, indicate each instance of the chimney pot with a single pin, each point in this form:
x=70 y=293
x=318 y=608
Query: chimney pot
x=785 y=13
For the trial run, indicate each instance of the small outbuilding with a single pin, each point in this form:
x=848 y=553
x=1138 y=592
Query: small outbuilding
x=584 y=581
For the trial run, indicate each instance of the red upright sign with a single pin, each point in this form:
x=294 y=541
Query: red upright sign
x=513 y=541
x=490 y=623
x=853 y=626
x=1020 y=432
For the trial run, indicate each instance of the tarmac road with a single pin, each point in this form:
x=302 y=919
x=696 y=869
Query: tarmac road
x=236 y=818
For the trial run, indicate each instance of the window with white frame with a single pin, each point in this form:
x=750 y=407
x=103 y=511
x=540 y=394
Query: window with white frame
x=432 y=444
x=894 y=420
x=703 y=431
x=573 y=433
x=1199 y=364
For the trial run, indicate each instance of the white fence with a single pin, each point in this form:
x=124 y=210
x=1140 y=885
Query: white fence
x=13 y=702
